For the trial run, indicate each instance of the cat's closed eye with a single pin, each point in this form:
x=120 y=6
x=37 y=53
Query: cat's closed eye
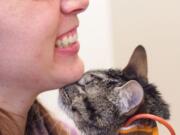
x=110 y=82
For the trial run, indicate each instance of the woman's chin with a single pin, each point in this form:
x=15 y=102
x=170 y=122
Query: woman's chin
x=69 y=75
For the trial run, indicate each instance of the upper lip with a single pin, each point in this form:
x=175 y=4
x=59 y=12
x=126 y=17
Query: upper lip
x=71 y=29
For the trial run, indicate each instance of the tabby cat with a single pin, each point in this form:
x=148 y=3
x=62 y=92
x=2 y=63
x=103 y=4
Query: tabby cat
x=102 y=100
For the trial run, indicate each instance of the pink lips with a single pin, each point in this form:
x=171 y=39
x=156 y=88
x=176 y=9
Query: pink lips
x=72 y=49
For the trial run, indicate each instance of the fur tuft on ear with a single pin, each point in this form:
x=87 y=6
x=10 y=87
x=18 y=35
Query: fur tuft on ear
x=127 y=97
x=137 y=64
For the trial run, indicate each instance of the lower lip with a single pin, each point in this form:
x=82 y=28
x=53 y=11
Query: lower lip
x=71 y=50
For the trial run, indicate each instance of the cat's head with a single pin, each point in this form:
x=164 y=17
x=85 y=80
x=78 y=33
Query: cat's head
x=104 y=99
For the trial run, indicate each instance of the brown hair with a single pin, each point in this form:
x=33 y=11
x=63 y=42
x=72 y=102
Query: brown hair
x=8 y=125
x=38 y=118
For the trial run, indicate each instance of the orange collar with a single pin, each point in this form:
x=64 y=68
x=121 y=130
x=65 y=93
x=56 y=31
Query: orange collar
x=146 y=129
x=138 y=129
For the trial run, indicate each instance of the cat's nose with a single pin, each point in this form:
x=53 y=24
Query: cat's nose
x=74 y=6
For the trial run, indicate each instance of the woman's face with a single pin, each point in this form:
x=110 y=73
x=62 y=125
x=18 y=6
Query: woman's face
x=30 y=31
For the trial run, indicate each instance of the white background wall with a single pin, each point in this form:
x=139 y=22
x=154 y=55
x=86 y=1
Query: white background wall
x=110 y=30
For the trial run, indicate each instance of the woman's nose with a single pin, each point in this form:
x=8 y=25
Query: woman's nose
x=73 y=6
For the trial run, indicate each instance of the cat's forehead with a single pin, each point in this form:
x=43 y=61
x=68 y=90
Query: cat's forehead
x=101 y=75
x=92 y=75
x=110 y=73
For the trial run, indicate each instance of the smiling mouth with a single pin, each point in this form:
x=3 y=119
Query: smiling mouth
x=68 y=39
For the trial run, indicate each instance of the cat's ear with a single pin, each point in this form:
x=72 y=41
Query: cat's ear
x=128 y=97
x=137 y=64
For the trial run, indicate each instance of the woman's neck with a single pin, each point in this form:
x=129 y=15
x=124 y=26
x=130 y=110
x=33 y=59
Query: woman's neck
x=17 y=103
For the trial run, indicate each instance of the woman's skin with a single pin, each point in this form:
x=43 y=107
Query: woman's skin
x=30 y=62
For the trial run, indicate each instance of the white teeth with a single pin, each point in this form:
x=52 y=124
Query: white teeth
x=66 y=41
x=71 y=39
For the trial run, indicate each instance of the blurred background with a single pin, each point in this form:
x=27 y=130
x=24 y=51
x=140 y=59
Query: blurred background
x=110 y=30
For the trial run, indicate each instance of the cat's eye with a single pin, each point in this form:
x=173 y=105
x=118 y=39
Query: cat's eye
x=110 y=82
